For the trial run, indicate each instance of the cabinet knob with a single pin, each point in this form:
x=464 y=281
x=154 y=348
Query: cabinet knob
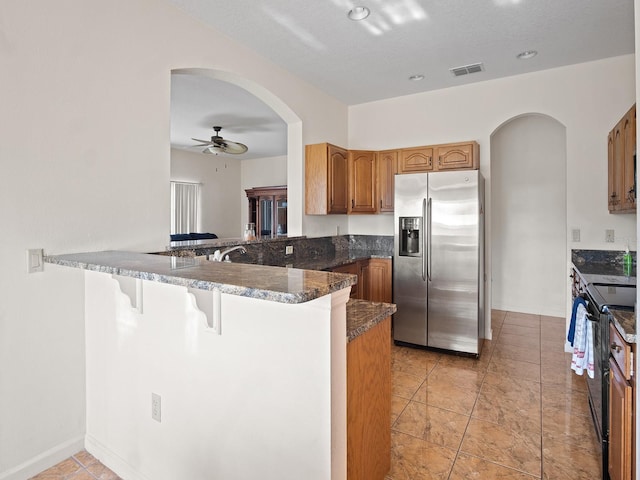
x=615 y=347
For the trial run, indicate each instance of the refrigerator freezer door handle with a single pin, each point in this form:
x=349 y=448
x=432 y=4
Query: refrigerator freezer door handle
x=428 y=250
x=424 y=241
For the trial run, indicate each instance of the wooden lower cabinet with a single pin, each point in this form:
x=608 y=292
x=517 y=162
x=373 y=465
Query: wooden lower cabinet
x=619 y=425
x=369 y=404
x=354 y=268
x=375 y=279
x=621 y=408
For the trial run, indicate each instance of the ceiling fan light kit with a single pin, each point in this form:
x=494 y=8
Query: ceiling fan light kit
x=220 y=145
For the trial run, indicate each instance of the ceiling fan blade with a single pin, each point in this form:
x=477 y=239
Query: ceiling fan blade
x=234 y=148
x=206 y=142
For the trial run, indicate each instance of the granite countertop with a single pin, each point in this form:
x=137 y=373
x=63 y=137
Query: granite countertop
x=284 y=285
x=605 y=267
x=340 y=258
x=625 y=323
x=363 y=315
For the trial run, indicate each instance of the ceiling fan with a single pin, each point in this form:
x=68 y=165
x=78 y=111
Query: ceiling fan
x=220 y=145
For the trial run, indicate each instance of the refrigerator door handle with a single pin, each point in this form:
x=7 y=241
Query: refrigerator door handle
x=424 y=241
x=429 y=239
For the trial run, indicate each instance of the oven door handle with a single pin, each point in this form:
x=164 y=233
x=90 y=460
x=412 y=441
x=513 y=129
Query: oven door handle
x=592 y=318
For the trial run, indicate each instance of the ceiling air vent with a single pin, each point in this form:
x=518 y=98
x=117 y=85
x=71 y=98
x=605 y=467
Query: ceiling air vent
x=467 y=69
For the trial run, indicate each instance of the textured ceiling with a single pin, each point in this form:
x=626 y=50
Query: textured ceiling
x=359 y=62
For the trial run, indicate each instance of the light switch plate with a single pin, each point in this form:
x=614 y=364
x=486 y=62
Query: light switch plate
x=609 y=236
x=35 y=261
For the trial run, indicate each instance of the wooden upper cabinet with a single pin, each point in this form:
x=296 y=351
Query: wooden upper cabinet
x=326 y=179
x=415 y=160
x=362 y=181
x=629 y=169
x=457 y=156
x=450 y=156
x=387 y=168
x=621 y=152
x=613 y=199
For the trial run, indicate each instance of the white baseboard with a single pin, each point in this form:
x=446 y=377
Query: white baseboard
x=113 y=461
x=44 y=461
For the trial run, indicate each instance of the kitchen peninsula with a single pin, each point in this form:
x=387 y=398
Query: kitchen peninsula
x=197 y=369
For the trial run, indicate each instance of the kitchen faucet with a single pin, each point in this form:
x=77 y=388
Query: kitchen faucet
x=224 y=256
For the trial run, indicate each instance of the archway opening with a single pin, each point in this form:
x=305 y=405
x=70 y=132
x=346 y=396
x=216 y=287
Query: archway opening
x=528 y=216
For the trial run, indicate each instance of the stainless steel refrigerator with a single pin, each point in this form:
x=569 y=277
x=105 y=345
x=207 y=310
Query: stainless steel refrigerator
x=438 y=270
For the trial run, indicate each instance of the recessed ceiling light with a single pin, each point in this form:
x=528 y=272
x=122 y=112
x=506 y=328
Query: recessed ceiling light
x=527 y=54
x=416 y=78
x=358 y=13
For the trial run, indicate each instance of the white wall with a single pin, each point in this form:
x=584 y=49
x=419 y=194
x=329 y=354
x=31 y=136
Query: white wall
x=259 y=400
x=219 y=179
x=260 y=172
x=84 y=146
x=529 y=223
x=588 y=99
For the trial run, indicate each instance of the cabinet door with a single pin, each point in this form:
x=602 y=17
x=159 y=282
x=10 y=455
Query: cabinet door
x=264 y=225
x=369 y=404
x=414 y=160
x=628 y=186
x=338 y=185
x=376 y=280
x=613 y=199
x=281 y=215
x=326 y=184
x=457 y=156
x=619 y=425
x=353 y=269
x=387 y=164
x=362 y=181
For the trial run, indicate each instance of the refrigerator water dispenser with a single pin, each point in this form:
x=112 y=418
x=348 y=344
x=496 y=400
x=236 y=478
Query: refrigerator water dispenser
x=410 y=234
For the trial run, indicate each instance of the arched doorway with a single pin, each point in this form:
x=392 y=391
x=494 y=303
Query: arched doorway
x=528 y=216
x=294 y=148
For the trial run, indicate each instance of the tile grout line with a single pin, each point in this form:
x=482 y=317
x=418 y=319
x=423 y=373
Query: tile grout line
x=473 y=407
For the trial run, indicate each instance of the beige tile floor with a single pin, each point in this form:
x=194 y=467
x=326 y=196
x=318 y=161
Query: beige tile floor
x=81 y=466
x=517 y=413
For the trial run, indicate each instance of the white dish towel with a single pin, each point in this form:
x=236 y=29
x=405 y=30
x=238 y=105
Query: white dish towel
x=582 y=358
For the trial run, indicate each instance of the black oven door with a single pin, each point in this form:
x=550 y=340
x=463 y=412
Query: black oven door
x=598 y=386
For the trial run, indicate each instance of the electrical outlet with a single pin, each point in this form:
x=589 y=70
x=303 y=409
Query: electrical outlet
x=156 y=407
x=575 y=235
x=609 y=236
x=35 y=260
x=288 y=250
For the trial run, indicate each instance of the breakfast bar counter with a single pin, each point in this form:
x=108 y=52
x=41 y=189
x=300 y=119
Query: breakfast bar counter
x=284 y=285
x=226 y=351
